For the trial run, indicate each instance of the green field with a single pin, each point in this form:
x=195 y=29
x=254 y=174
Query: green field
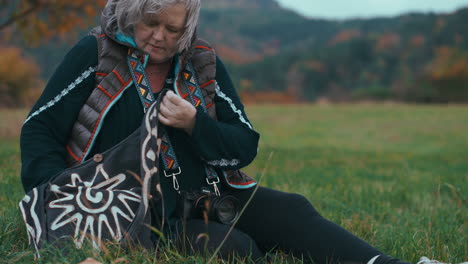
x=395 y=175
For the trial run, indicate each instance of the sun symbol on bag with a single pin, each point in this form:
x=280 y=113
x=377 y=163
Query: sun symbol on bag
x=96 y=209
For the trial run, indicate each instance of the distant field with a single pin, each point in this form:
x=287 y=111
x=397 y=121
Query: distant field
x=395 y=175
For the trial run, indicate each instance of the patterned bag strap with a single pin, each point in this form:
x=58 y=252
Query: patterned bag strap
x=137 y=70
x=189 y=89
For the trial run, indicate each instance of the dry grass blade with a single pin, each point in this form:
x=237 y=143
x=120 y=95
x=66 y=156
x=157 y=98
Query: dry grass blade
x=243 y=209
x=90 y=261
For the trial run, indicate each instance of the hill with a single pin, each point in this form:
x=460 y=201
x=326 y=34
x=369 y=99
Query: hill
x=415 y=57
x=242 y=4
x=269 y=49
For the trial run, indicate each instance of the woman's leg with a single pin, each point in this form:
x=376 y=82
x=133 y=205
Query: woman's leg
x=199 y=237
x=290 y=223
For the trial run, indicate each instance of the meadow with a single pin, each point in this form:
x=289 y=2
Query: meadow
x=395 y=175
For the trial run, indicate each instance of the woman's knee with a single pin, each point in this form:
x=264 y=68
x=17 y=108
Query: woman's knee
x=300 y=202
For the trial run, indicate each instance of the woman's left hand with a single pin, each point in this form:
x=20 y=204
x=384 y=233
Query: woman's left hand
x=177 y=112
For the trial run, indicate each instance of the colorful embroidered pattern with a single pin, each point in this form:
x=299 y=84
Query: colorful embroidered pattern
x=140 y=79
x=147 y=97
x=193 y=92
x=192 y=88
x=167 y=152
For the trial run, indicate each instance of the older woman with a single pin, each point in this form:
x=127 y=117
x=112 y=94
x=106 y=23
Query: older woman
x=99 y=95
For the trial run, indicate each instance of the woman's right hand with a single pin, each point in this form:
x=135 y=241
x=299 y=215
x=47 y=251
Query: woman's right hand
x=177 y=112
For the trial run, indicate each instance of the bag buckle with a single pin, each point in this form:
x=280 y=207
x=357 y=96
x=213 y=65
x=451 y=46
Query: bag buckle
x=215 y=186
x=175 y=182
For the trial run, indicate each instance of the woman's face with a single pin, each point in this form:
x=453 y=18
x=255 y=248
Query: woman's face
x=158 y=34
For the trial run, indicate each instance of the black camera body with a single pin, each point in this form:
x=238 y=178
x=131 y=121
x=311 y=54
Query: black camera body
x=224 y=209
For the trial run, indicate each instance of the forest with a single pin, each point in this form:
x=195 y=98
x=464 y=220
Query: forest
x=274 y=54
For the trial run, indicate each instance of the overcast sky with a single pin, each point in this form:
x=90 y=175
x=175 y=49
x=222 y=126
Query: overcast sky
x=343 y=9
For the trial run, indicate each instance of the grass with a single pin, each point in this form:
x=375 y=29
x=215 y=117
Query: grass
x=395 y=175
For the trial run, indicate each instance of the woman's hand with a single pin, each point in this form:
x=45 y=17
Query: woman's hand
x=177 y=112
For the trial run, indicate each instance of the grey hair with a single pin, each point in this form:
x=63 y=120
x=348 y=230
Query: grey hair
x=127 y=13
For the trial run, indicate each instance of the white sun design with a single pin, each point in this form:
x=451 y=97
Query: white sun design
x=95 y=202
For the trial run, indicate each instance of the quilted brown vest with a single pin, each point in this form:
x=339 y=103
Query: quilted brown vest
x=113 y=77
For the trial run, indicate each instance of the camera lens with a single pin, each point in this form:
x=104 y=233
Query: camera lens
x=227 y=209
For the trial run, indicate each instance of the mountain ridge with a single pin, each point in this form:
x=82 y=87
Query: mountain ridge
x=271 y=49
x=242 y=4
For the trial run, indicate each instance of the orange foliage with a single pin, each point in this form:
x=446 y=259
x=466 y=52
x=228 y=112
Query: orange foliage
x=449 y=64
x=236 y=57
x=388 y=41
x=89 y=10
x=246 y=85
x=317 y=66
x=38 y=20
x=344 y=36
x=443 y=52
x=271 y=48
x=447 y=76
x=418 y=41
x=19 y=78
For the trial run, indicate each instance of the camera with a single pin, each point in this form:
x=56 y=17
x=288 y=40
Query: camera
x=224 y=209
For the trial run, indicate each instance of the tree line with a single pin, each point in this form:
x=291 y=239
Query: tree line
x=273 y=54
x=414 y=57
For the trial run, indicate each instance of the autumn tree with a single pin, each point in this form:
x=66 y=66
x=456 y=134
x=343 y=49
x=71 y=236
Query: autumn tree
x=448 y=75
x=39 y=20
x=35 y=21
x=19 y=78
x=445 y=78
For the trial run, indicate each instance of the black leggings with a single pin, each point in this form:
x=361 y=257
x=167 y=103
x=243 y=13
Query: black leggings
x=277 y=220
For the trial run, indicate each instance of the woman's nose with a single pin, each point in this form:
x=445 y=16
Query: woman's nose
x=158 y=33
